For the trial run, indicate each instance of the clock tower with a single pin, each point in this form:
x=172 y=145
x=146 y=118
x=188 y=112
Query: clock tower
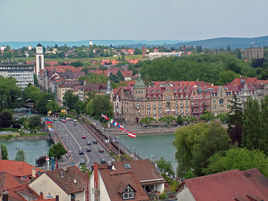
x=39 y=64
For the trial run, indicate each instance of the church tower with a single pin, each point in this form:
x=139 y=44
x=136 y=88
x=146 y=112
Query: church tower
x=39 y=63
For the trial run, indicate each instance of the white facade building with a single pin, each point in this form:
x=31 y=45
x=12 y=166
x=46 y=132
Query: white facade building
x=39 y=64
x=23 y=73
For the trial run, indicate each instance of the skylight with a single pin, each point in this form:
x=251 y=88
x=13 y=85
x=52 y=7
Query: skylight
x=127 y=166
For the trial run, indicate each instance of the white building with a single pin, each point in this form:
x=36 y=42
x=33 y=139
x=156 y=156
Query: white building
x=23 y=73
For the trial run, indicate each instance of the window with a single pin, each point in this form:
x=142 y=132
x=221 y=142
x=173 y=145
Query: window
x=221 y=101
x=128 y=193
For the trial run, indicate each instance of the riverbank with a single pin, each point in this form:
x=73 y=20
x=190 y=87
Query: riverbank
x=143 y=131
x=10 y=138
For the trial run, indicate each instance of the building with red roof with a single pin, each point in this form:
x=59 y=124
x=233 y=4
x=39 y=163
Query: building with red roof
x=20 y=169
x=233 y=185
x=133 y=180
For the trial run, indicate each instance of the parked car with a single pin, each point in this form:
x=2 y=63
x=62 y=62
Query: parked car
x=95 y=142
x=103 y=161
x=101 y=150
x=88 y=143
x=88 y=150
x=84 y=137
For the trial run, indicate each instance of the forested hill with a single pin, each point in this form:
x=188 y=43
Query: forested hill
x=218 y=69
x=234 y=43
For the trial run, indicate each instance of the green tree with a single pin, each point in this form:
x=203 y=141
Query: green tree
x=196 y=143
x=165 y=166
x=237 y=158
x=20 y=156
x=41 y=104
x=57 y=151
x=234 y=121
x=90 y=95
x=80 y=107
x=100 y=104
x=147 y=120
x=32 y=92
x=255 y=127
x=40 y=161
x=180 y=120
x=167 y=119
x=69 y=99
x=222 y=117
x=226 y=76
x=4 y=152
x=53 y=106
x=6 y=119
x=207 y=116
x=34 y=122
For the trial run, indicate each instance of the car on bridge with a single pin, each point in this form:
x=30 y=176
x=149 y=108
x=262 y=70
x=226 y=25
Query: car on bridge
x=95 y=142
x=82 y=162
x=101 y=150
x=103 y=161
x=63 y=120
x=88 y=143
x=84 y=137
x=81 y=152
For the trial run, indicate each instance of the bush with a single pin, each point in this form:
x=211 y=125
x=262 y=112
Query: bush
x=163 y=195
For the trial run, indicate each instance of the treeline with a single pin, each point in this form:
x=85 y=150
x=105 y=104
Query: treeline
x=218 y=69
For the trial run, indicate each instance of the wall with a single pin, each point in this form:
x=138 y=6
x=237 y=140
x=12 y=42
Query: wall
x=185 y=195
x=46 y=185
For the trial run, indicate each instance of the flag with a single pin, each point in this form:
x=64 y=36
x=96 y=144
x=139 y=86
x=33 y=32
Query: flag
x=115 y=123
x=105 y=117
x=130 y=134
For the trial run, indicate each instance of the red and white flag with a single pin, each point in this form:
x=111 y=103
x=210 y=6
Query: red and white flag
x=105 y=117
x=130 y=134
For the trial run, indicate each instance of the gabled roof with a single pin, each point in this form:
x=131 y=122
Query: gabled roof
x=8 y=181
x=225 y=186
x=17 y=168
x=71 y=181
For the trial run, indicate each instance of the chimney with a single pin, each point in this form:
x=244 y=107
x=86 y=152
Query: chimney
x=5 y=196
x=41 y=196
x=33 y=173
x=96 y=175
x=110 y=165
x=57 y=198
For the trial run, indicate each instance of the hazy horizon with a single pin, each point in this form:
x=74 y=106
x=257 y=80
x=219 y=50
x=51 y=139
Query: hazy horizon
x=183 y=20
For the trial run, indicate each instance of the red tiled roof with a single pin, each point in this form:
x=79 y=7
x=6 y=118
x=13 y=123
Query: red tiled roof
x=17 y=168
x=71 y=181
x=224 y=186
x=8 y=181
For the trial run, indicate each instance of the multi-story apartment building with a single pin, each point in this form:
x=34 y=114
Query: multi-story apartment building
x=136 y=101
x=252 y=53
x=23 y=73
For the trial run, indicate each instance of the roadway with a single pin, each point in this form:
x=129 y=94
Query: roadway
x=71 y=134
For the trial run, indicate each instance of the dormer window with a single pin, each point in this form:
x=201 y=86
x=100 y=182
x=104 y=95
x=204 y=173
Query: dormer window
x=128 y=193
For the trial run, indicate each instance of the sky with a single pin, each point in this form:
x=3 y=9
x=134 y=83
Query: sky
x=74 y=20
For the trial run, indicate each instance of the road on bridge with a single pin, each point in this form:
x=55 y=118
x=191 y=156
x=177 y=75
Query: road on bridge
x=71 y=134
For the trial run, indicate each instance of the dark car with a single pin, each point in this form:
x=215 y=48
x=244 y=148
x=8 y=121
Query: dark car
x=81 y=152
x=101 y=150
x=88 y=150
x=88 y=143
x=95 y=142
x=103 y=161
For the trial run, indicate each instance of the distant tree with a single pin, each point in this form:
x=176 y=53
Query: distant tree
x=20 y=156
x=40 y=161
x=207 y=116
x=90 y=95
x=147 y=120
x=180 y=120
x=234 y=121
x=34 y=122
x=167 y=119
x=120 y=76
x=32 y=92
x=77 y=64
x=226 y=76
x=237 y=158
x=80 y=107
x=57 y=151
x=222 y=117
x=41 y=104
x=137 y=51
x=6 y=119
x=228 y=48
x=4 y=152
x=69 y=99
x=257 y=62
x=53 y=106
x=100 y=104
x=165 y=166
x=198 y=49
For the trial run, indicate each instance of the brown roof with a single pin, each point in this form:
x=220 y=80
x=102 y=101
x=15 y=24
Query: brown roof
x=116 y=181
x=226 y=186
x=140 y=172
x=17 y=168
x=69 y=84
x=71 y=181
x=7 y=181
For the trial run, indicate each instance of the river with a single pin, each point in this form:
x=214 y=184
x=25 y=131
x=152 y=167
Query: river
x=152 y=146
x=33 y=149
